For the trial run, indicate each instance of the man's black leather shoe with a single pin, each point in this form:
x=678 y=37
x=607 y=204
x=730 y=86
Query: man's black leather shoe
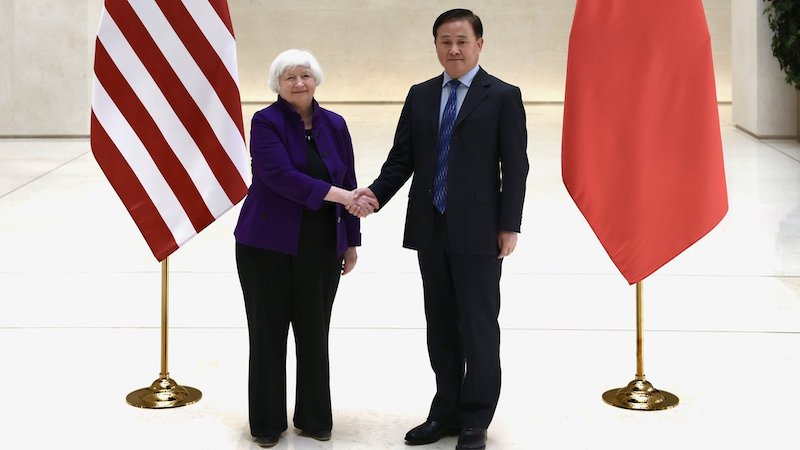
x=430 y=432
x=472 y=439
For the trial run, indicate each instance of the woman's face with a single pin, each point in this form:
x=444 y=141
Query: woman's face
x=297 y=85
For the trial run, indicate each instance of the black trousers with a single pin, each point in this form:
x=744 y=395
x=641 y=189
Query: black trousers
x=280 y=290
x=462 y=304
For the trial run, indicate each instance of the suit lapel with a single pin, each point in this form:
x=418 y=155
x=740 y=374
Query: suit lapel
x=433 y=98
x=478 y=91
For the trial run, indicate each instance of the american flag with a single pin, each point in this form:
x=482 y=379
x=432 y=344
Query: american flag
x=166 y=125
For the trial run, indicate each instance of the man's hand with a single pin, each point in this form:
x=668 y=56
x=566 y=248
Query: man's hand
x=506 y=242
x=364 y=203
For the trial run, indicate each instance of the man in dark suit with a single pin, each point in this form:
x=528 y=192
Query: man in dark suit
x=465 y=143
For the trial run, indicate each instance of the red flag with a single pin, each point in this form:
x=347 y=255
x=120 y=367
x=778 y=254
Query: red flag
x=641 y=149
x=166 y=124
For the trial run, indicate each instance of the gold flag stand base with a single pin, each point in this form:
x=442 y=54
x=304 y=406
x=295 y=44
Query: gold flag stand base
x=163 y=393
x=640 y=395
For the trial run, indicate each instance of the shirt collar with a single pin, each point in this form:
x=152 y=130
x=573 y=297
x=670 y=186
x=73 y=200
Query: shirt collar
x=465 y=79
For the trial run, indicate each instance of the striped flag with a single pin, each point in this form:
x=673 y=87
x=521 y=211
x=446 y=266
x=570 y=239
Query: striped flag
x=166 y=125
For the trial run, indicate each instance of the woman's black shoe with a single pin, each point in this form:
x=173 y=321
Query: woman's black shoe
x=318 y=435
x=268 y=441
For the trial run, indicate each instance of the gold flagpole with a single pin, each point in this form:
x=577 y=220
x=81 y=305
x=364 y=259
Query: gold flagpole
x=639 y=394
x=164 y=392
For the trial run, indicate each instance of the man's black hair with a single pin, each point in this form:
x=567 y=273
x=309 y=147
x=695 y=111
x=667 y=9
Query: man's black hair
x=459 y=14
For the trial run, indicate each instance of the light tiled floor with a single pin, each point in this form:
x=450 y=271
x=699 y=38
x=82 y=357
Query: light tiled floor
x=80 y=310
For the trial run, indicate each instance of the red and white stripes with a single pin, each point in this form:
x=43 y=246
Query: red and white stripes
x=166 y=115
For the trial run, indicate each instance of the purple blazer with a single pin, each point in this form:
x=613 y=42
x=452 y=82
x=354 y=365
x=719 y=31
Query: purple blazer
x=271 y=213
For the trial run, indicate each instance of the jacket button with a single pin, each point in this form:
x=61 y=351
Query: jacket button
x=339 y=219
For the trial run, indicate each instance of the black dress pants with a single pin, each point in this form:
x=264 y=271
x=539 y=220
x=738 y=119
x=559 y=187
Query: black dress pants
x=462 y=304
x=279 y=290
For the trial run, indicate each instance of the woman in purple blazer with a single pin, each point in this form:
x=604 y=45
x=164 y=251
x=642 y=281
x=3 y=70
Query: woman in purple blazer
x=294 y=239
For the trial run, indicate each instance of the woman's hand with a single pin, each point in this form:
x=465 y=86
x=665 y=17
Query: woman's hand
x=357 y=205
x=349 y=261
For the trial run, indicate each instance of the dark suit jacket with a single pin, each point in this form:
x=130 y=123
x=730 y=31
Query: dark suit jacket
x=487 y=168
x=271 y=214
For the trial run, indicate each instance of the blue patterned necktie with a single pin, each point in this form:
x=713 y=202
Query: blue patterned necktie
x=443 y=148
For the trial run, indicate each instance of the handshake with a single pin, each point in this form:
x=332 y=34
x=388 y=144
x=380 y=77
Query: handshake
x=361 y=202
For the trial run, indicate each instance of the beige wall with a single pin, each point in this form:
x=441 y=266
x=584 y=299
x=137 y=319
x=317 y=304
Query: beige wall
x=45 y=65
x=371 y=50
x=765 y=105
x=374 y=50
x=6 y=63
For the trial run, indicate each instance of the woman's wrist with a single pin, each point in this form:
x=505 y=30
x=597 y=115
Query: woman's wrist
x=339 y=195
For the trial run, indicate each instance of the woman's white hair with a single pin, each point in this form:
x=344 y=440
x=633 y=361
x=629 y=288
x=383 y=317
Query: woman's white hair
x=289 y=59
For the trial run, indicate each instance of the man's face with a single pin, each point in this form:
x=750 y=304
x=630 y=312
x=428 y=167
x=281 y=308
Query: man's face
x=457 y=47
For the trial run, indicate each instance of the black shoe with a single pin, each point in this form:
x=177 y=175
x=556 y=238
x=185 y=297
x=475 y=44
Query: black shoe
x=268 y=441
x=472 y=439
x=430 y=432
x=318 y=435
